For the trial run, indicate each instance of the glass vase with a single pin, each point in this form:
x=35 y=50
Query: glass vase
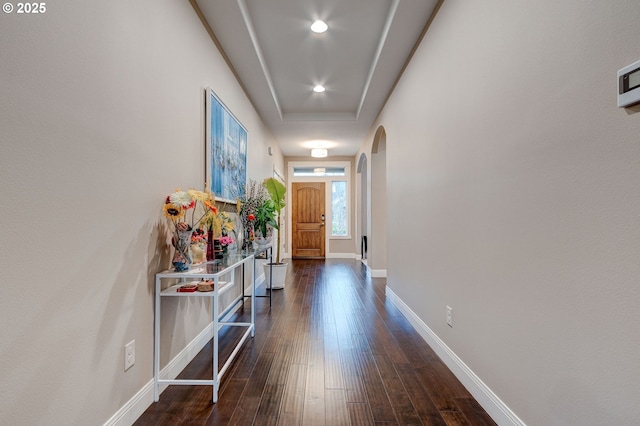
x=182 y=259
x=247 y=244
x=210 y=252
x=217 y=248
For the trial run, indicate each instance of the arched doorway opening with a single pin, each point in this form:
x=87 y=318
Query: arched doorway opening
x=363 y=220
x=378 y=236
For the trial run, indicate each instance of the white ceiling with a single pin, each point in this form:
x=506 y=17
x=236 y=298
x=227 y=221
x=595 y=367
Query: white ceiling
x=279 y=60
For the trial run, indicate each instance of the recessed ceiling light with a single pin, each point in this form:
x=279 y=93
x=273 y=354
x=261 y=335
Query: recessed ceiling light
x=319 y=27
x=319 y=89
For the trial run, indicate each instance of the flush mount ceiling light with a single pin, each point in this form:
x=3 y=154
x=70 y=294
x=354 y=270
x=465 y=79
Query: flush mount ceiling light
x=319 y=152
x=319 y=27
x=319 y=89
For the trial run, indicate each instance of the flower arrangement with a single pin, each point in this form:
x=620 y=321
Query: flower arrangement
x=187 y=211
x=219 y=223
x=226 y=241
x=198 y=236
x=248 y=205
x=180 y=205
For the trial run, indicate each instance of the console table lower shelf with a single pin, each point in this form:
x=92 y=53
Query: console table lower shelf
x=209 y=270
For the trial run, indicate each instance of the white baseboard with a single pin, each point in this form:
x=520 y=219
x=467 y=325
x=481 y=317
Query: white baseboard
x=133 y=409
x=329 y=256
x=340 y=256
x=492 y=404
x=375 y=273
x=378 y=273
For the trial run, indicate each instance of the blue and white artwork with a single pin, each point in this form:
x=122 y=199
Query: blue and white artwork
x=226 y=151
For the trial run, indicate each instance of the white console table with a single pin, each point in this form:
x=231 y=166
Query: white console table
x=212 y=270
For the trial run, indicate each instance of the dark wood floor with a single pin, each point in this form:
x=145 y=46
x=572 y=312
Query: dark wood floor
x=331 y=351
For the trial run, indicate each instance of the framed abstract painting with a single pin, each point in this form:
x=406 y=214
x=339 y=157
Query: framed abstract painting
x=226 y=150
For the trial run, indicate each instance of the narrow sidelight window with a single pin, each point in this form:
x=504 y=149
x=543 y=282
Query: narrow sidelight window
x=339 y=219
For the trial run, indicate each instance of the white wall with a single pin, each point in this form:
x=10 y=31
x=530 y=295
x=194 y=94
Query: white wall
x=514 y=197
x=101 y=116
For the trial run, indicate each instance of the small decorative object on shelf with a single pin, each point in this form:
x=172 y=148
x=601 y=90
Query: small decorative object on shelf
x=187 y=288
x=198 y=246
x=205 y=285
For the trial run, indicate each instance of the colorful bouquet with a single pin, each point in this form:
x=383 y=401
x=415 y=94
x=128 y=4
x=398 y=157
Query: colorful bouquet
x=187 y=211
x=198 y=204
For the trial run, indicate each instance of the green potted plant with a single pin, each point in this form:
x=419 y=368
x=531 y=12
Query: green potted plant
x=277 y=193
x=265 y=220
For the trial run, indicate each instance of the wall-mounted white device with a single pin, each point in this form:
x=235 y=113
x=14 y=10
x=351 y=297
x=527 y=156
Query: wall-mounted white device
x=629 y=85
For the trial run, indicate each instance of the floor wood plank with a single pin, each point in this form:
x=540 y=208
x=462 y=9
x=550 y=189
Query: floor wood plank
x=337 y=411
x=397 y=394
x=455 y=418
x=473 y=412
x=377 y=396
x=314 y=402
x=360 y=414
x=419 y=396
x=293 y=399
x=330 y=351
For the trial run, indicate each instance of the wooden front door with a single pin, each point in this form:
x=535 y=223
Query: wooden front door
x=308 y=219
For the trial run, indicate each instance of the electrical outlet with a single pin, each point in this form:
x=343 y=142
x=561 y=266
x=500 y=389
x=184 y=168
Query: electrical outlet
x=129 y=355
x=449 y=316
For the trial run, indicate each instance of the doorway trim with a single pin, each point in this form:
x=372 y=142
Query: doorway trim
x=327 y=179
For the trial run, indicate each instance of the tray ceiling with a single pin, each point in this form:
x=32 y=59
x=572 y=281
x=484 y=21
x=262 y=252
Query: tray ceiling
x=279 y=60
